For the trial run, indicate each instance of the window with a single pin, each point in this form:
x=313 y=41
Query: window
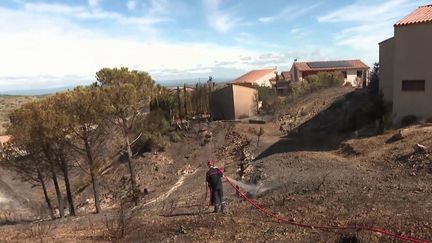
x=413 y=85
x=344 y=73
x=359 y=74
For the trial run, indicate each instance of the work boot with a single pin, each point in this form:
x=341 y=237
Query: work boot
x=216 y=209
x=222 y=208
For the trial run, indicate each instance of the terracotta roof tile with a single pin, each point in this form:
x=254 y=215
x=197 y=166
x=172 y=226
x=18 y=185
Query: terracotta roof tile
x=253 y=76
x=422 y=14
x=355 y=64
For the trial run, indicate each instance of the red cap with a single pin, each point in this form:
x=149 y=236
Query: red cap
x=210 y=162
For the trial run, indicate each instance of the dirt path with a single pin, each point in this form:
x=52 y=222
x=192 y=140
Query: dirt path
x=165 y=195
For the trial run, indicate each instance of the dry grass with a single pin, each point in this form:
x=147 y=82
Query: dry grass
x=7 y=104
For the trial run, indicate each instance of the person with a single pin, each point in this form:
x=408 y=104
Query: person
x=214 y=183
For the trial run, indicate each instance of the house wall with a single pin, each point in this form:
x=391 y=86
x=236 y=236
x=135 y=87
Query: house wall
x=351 y=76
x=413 y=53
x=244 y=101
x=222 y=104
x=294 y=73
x=386 y=72
x=265 y=80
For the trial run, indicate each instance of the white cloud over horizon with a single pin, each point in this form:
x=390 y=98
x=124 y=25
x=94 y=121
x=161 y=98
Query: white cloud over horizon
x=46 y=48
x=53 y=42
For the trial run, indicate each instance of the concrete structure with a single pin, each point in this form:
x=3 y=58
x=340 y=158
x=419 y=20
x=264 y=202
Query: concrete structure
x=233 y=102
x=353 y=71
x=282 y=85
x=3 y=141
x=386 y=62
x=286 y=75
x=405 y=66
x=257 y=77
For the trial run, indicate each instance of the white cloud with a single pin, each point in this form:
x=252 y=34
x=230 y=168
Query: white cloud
x=42 y=50
x=220 y=20
x=267 y=19
x=82 y=12
x=158 y=7
x=289 y=13
x=370 y=23
x=370 y=11
x=131 y=5
x=94 y=3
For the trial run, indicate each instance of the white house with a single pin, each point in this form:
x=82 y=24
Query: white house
x=353 y=71
x=257 y=77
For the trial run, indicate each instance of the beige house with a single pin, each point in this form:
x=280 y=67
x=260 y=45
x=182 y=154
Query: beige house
x=261 y=77
x=233 y=102
x=406 y=66
x=354 y=72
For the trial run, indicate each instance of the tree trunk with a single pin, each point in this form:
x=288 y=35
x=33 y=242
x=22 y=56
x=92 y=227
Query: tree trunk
x=130 y=165
x=57 y=190
x=47 y=200
x=65 y=170
x=185 y=102
x=48 y=155
x=179 y=105
x=92 y=173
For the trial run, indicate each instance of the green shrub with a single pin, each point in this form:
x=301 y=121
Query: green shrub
x=174 y=137
x=267 y=95
x=316 y=82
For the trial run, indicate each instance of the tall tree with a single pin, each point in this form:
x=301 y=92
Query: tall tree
x=374 y=79
x=87 y=126
x=185 y=99
x=57 y=120
x=128 y=94
x=180 y=116
x=30 y=139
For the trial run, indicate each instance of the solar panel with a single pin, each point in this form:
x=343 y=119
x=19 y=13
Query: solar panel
x=329 y=64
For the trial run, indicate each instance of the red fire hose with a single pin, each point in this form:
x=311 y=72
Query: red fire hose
x=323 y=227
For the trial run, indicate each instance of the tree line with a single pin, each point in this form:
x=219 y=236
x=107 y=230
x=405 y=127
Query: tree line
x=48 y=134
x=76 y=127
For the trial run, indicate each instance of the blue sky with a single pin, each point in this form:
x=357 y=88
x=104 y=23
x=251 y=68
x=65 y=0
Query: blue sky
x=45 y=44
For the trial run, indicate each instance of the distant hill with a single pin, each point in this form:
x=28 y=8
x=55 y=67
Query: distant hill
x=181 y=82
x=167 y=83
x=32 y=92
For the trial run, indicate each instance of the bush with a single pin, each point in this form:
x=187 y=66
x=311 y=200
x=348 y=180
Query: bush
x=316 y=82
x=266 y=95
x=156 y=121
x=409 y=120
x=153 y=128
x=174 y=137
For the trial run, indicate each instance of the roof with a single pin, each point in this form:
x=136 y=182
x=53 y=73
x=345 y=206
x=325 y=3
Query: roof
x=231 y=86
x=286 y=74
x=422 y=14
x=4 y=139
x=330 y=65
x=253 y=76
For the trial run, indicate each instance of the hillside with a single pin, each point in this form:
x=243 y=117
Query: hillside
x=311 y=166
x=7 y=104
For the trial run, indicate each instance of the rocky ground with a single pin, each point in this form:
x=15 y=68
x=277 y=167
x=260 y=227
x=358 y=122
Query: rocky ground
x=380 y=180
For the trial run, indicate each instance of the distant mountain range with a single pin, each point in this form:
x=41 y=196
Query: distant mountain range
x=167 y=83
x=32 y=92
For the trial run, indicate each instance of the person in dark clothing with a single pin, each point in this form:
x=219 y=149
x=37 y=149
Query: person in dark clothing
x=214 y=183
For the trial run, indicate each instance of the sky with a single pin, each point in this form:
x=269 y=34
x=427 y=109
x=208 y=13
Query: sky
x=46 y=44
